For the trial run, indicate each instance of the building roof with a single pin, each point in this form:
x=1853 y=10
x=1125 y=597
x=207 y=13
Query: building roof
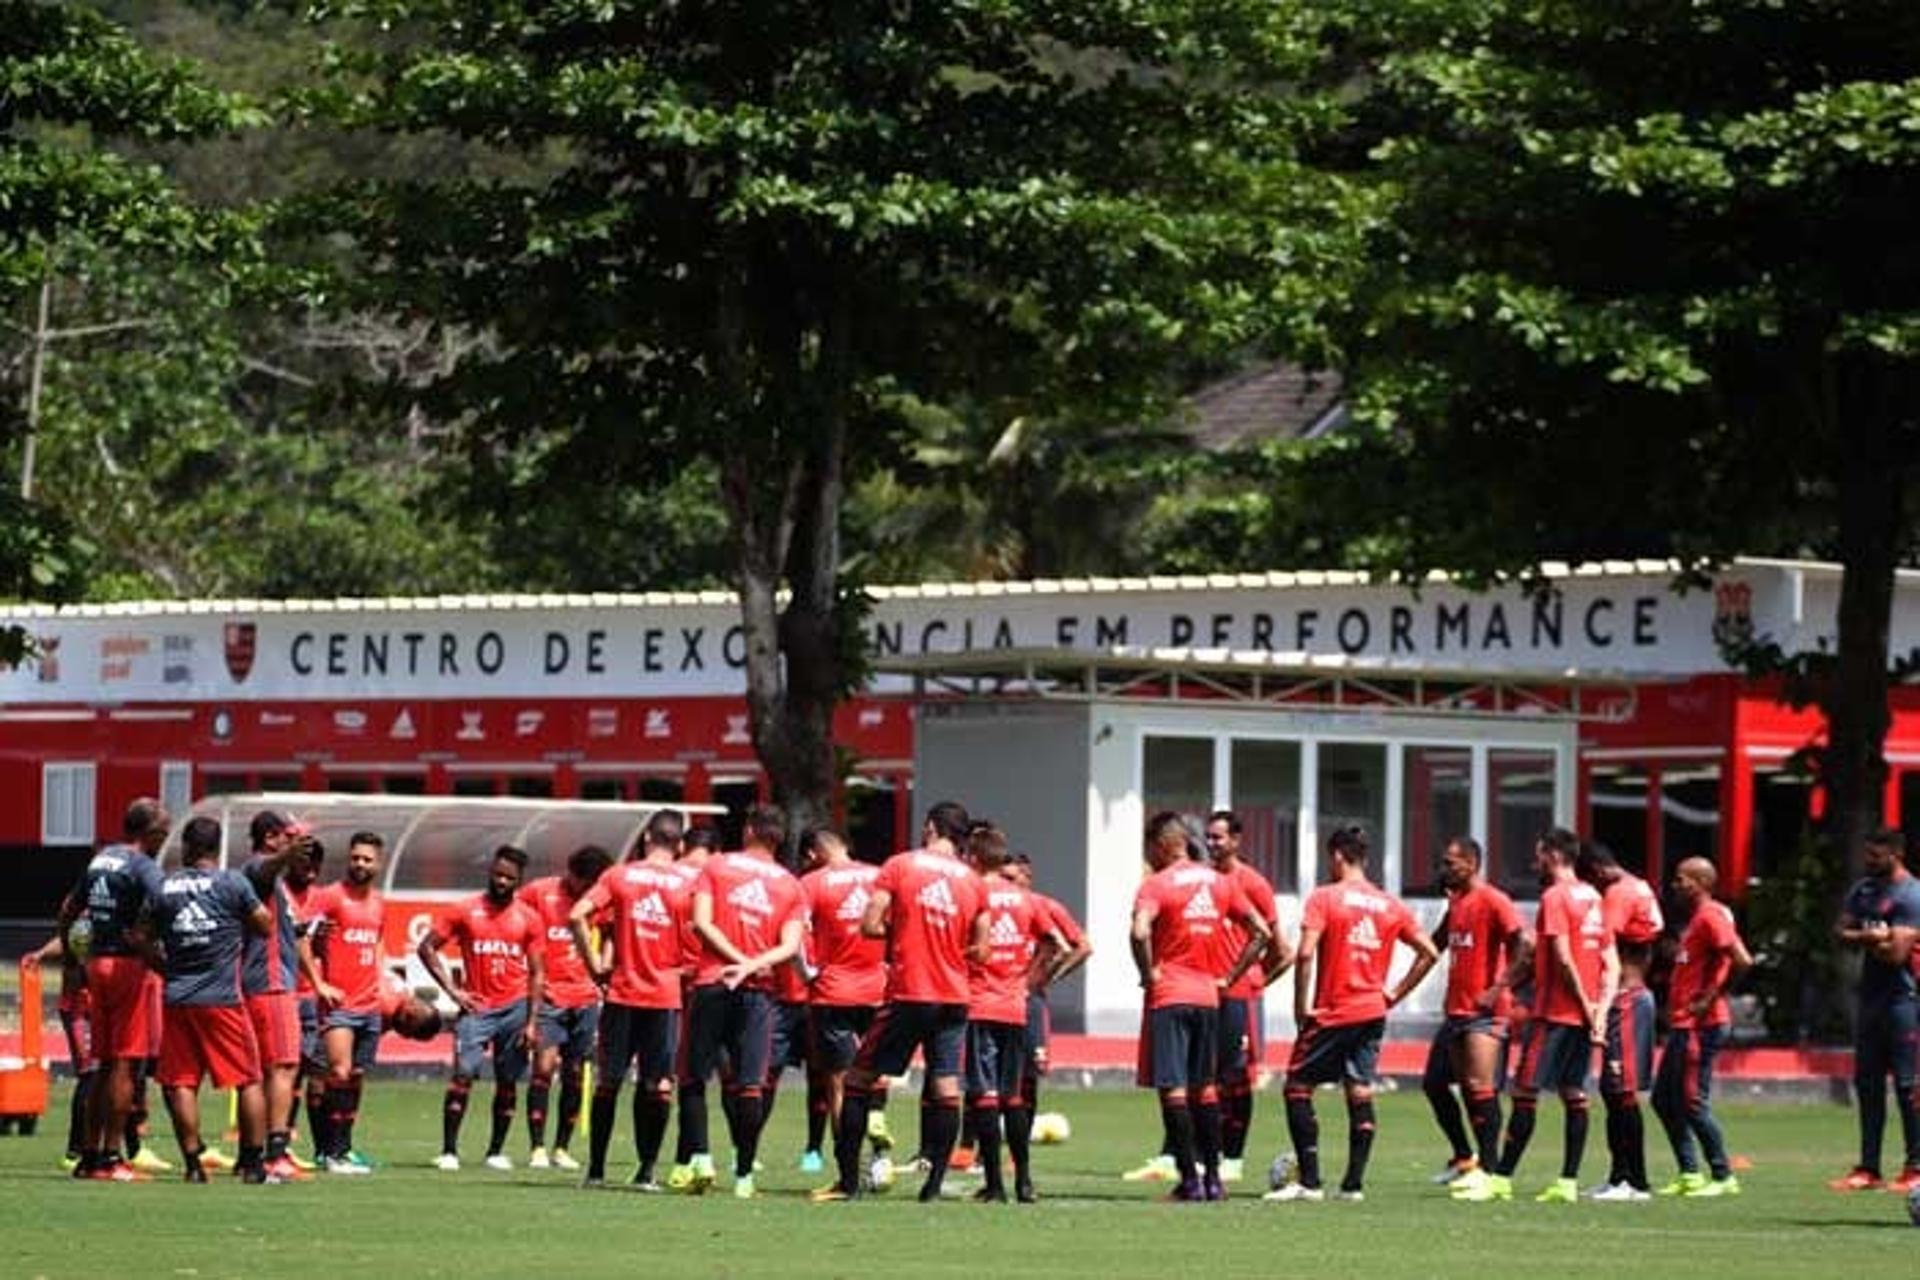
x=1276 y=401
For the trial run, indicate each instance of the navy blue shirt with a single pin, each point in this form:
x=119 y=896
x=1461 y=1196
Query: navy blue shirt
x=113 y=889
x=200 y=918
x=270 y=962
x=1895 y=903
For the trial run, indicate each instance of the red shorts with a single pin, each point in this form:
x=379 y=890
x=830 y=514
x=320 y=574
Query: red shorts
x=276 y=1027
x=156 y=1011
x=204 y=1041
x=123 y=1022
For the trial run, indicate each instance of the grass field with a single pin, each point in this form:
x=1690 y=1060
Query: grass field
x=410 y=1221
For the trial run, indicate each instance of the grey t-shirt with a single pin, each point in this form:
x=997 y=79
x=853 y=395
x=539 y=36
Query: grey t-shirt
x=200 y=918
x=117 y=884
x=1895 y=903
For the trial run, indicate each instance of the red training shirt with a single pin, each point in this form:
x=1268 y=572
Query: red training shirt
x=1633 y=910
x=569 y=984
x=1477 y=926
x=1258 y=895
x=934 y=899
x=853 y=967
x=1570 y=910
x=753 y=897
x=1704 y=959
x=494 y=945
x=644 y=909
x=350 y=926
x=1359 y=925
x=1190 y=904
x=1016 y=923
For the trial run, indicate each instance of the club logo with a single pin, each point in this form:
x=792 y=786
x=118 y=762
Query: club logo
x=46 y=652
x=1732 y=615
x=238 y=641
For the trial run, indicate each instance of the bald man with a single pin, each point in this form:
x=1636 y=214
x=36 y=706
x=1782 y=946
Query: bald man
x=1711 y=956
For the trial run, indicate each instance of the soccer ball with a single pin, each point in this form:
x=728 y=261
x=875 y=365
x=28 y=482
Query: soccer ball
x=1913 y=1206
x=880 y=1175
x=1280 y=1172
x=1050 y=1128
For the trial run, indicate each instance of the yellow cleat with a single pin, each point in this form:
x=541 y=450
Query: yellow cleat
x=1714 y=1188
x=1481 y=1187
x=1685 y=1185
x=1157 y=1169
x=703 y=1176
x=148 y=1162
x=680 y=1177
x=1559 y=1191
x=878 y=1133
x=828 y=1195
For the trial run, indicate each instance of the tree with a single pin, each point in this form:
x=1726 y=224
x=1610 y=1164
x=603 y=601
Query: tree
x=1643 y=281
x=768 y=228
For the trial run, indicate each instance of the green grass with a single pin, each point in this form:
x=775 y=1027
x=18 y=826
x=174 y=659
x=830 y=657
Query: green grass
x=410 y=1221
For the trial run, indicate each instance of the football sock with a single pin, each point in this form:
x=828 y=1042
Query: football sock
x=339 y=1125
x=942 y=1131
x=1519 y=1134
x=1018 y=1115
x=1446 y=1110
x=1206 y=1132
x=693 y=1119
x=744 y=1127
x=318 y=1128
x=539 y=1089
x=1176 y=1117
x=851 y=1134
x=77 y=1120
x=1873 y=1119
x=506 y=1097
x=1304 y=1128
x=572 y=1087
x=600 y=1131
x=1360 y=1129
x=817 y=1110
x=650 y=1113
x=1909 y=1107
x=983 y=1118
x=278 y=1140
x=453 y=1109
x=1236 y=1122
x=1576 y=1144
x=1484 y=1109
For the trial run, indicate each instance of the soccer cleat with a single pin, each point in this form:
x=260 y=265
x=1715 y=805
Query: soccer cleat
x=300 y=1162
x=743 y=1188
x=1212 y=1190
x=1186 y=1193
x=703 y=1177
x=196 y=1174
x=69 y=1162
x=1157 y=1169
x=598 y=1182
x=1232 y=1169
x=1482 y=1187
x=1560 y=1191
x=1909 y=1179
x=561 y=1160
x=1350 y=1196
x=283 y=1168
x=149 y=1161
x=963 y=1160
x=812 y=1162
x=1620 y=1193
x=880 y=1173
x=447 y=1162
x=680 y=1177
x=878 y=1133
x=213 y=1160
x=833 y=1194
x=990 y=1195
x=118 y=1171
x=1714 y=1188
x=1685 y=1185
x=342 y=1167
x=252 y=1175
x=1024 y=1193
x=1857 y=1180
x=1454 y=1171
x=537 y=1159
x=500 y=1162
x=1295 y=1192
x=647 y=1187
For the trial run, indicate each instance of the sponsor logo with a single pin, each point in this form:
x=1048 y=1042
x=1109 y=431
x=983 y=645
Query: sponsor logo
x=752 y=899
x=402 y=725
x=472 y=726
x=1201 y=905
x=496 y=947
x=238 y=643
x=223 y=723
x=275 y=719
x=348 y=720
x=176 y=660
x=1363 y=935
x=527 y=722
x=737 y=733
x=1460 y=940
x=603 y=722
x=659 y=723
x=1004 y=932
x=652 y=910
x=937 y=898
x=872 y=717
x=117 y=654
x=361 y=937
x=854 y=905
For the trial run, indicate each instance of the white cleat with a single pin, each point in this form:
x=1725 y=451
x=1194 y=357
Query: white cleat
x=1232 y=1170
x=1295 y=1191
x=537 y=1159
x=501 y=1163
x=343 y=1167
x=1350 y=1197
x=561 y=1160
x=447 y=1162
x=1620 y=1193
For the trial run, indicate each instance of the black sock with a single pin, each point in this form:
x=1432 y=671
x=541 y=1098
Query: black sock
x=1519 y=1134
x=1446 y=1110
x=746 y=1121
x=77 y=1122
x=1360 y=1129
x=453 y=1109
x=1019 y=1122
x=130 y=1136
x=942 y=1131
x=605 y=1103
x=192 y=1158
x=1206 y=1135
x=1633 y=1145
x=1176 y=1118
x=293 y=1114
x=506 y=1097
x=768 y=1096
x=1909 y=1107
x=278 y=1140
x=817 y=1111
x=572 y=1086
x=339 y=1126
x=1872 y=1098
x=1484 y=1110
x=983 y=1118
x=539 y=1089
x=1236 y=1122
x=1304 y=1128
x=318 y=1129
x=847 y=1139
x=693 y=1120
x=1576 y=1138
x=650 y=1114
x=251 y=1158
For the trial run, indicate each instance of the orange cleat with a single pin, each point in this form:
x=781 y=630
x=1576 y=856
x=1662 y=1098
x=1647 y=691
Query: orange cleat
x=119 y=1171
x=961 y=1160
x=1858 y=1180
x=1909 y=1179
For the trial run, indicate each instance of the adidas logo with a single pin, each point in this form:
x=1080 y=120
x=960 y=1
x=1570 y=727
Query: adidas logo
x=752 y=899
x=652 y=910
x=1005 y=933
x=855 y=904
x=1201 y=905
x=1364 y=935
x=938 y=899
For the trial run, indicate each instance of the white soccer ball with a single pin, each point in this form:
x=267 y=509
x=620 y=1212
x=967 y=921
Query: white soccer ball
x=880 y=1175
x=1050 y=1128
x=1280 y=1172
x=1913 y=1206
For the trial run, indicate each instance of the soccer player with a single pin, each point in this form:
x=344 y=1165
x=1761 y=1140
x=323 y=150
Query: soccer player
x=1880 y=918
x=503 y=974
x=1626 y=1062
x=642 y=905
x=747 y=911
x=925 y=903
x=570 y=1011
x=1015 y=926
x=1242 y=1015
x=1576 y=975
x=269 y=970
x=200 y=918
x=696 y=847
x=346 y=927
x=117 y=885
x=792 y=1043
x=1485 y=941
x=849 y=973
x=1051 y=965
x=76 y=1023
x=1710 y=957
x=301 y=878
x=1348 y=928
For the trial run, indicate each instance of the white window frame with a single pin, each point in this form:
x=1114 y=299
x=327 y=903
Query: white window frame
x=176 y=788
x=68 y=796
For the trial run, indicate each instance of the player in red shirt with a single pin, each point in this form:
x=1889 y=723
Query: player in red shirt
x=926 y=903
x=849 y=980
x=1576 y=974
x=641 y=906
x=1242 y=1012
x=1017 y=926
x=1348 y=928
x=697 y=846
x=301 y=879
x=1711 y=956
x=747 y=911
x=1626 y=1061
x=1485 y=940
x=345 y=932
x=503 y=975
x=1179 y=914
x=570 y=1009
x=1050 y=966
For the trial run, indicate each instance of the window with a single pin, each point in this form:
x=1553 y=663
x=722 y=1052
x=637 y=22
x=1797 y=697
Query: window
x=1519 y=808
x=1266 y=796
x=657 y=790
x=176 y=788
x=1781 y=825
x=476 y=784
x=1617 y=812
x=350 y=786
x=404 y=784
x=1353 y=792
x=1689 y=813
x=871 y=806
x=1436 y=804
x=66 y=804
x=1177 y=774
x=602 y=789
x=738 y=795
x=535 y=786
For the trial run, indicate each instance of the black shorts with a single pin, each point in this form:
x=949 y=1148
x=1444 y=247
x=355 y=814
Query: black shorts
x=835 y=1032
x=939 y=1031
x=1554 y=1056
x=650 y=1037
x=1626 y=1064
x=1348 y=1054
x=789 y=1046
x=1237 y=1054
x=1184 y=1046
x=996 y=1059
x=1453 y=1032
x=730 y=1032
x=571 y=1031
